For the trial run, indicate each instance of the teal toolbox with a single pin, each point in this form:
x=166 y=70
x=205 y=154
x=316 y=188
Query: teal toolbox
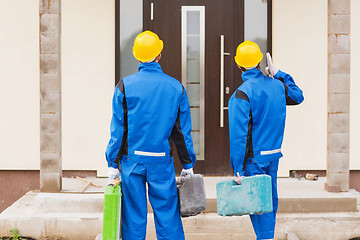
x=253 y=196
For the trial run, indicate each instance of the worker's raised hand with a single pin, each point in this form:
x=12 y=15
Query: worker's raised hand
x=185 y=172
x=270 y=70
x=267 y=72
x=114 y=173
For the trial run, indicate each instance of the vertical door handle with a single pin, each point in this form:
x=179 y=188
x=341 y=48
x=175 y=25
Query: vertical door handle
x=222 y=54
x=152 y=11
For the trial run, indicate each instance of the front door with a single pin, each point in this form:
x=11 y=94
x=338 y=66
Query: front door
x=200 y=39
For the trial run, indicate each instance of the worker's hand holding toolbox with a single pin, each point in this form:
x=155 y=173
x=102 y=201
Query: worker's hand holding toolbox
x=192 y=198
x=252 y=196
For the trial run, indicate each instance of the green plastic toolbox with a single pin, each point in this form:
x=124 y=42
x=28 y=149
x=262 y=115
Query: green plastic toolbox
x=112 y=212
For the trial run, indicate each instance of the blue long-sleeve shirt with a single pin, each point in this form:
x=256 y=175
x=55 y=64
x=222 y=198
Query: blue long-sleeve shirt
x=150 y=111
x=257 y=112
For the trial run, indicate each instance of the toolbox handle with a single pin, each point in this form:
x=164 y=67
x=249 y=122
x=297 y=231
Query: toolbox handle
x=114 y=182
x=236 y=185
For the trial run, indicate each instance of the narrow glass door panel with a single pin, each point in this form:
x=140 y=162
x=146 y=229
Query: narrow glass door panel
x=256 y=25
x=193 y=68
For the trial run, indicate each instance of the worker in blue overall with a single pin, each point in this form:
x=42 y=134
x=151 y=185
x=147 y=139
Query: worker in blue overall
x=150 y=111
x=257 y=112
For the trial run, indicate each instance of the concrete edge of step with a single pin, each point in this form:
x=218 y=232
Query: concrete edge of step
x=89 y=228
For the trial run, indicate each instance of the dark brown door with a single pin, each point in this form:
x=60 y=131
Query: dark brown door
x=225 y=17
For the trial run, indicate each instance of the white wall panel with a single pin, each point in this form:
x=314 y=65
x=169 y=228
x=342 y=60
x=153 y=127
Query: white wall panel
x=88 y=78
x=19 y=85
x=300 y=48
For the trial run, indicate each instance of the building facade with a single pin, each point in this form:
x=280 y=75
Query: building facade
x=200 y=39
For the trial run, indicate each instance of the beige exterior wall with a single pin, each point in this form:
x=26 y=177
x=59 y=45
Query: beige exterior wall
x=19 y=85
x=355 y=86
x=300 y=48
x=88 y=78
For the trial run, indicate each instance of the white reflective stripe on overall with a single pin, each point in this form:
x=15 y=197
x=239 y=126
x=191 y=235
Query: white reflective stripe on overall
x=270 y=151
x=152 y=154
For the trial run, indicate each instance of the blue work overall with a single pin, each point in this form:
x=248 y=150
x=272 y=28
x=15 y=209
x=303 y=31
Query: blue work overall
x=150 y=111
x=257 y=112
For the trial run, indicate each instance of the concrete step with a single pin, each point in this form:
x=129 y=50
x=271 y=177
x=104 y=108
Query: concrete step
x=295 y=196
x=329 y=226
x=59 y=202
x=68 y=203
x=79 y=216
x=87 y=225
x=94 y=203
x=31 y=221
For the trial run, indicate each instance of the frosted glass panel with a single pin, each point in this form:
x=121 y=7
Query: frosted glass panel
x=256 y=25
x=131 y=24
x=196 y=142
x=193 y=91
x=193 y=47
x=193 y=22
x=193 y=71
x=195 y=118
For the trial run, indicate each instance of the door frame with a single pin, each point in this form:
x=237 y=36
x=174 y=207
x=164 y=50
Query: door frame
x=200 y=165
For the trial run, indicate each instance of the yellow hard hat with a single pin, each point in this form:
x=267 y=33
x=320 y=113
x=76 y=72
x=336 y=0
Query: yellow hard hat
x=147 y=46
x=248 y=54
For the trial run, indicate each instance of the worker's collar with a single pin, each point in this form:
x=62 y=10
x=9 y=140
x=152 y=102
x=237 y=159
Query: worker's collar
x=147 y=67
x=252 y=73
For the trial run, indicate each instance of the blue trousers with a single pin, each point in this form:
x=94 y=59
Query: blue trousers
x=163 y=198
x=264 y=224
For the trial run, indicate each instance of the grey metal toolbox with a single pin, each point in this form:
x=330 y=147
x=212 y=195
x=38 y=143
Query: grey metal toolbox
x=192 y=198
